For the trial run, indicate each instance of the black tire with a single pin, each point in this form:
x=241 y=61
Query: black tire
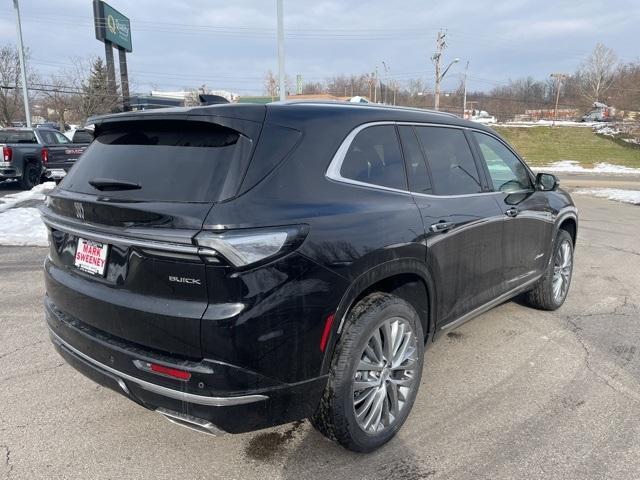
x=336 y=414
x=30 y=176
x=542 y=296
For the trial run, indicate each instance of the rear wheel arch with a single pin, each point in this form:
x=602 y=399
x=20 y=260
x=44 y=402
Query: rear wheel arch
x=408 y=279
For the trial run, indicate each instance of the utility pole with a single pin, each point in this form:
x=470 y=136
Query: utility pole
x=386 y=81
x=281 y=74
x=464 y=97
x=375 y=87
x=436 y=58
x=440 y=46
x=559 y=78
x=23 y=71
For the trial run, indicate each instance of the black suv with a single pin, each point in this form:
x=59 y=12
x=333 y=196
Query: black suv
x=235 y=267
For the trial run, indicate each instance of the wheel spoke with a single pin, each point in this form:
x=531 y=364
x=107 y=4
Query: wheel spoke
x=366 y=366
x=387 y=333
x=377 y=346
x=373 y=418
x=364 y=384
x=392 y=395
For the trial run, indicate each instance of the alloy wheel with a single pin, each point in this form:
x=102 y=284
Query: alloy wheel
x=384 y=378
x=562 y=264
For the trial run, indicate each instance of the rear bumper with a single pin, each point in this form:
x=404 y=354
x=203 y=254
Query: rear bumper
x=218 y=397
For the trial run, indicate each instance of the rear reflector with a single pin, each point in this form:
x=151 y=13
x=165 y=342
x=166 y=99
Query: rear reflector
x=170 y=372
x=328 y=323
x=162 y=370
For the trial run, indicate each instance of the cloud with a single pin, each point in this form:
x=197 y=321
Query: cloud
x=231 y=44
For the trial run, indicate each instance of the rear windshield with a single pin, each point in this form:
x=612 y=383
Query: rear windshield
x=177 y=161
x=82 y=136
x=17 y=136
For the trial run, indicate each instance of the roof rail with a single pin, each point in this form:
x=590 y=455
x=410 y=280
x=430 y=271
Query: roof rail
x=342 y=103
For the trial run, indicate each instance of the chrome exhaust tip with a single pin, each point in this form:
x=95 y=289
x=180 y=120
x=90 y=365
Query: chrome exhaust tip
x=190 y=422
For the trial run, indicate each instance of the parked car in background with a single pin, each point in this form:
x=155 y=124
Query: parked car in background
x=235 y=267
x=30 y=155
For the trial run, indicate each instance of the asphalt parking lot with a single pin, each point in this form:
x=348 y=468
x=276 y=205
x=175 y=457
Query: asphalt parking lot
x=516 y=393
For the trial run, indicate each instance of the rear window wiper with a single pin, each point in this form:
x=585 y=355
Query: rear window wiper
x=104 y=184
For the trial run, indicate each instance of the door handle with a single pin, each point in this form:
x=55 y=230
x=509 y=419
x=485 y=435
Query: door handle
x=512 y=212
x=441 y=226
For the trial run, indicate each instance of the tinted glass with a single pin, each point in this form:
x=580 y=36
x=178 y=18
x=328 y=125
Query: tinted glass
x=82 y=136
x=172 y=161
x=48 y=137
x=453 y=170
x=374 y=157
x=508 y=174
x=17 y=136
x=417 y=174
x=60 y=138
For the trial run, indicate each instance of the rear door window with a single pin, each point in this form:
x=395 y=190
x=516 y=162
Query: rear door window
x=417 y=173
x=173 y=161
x=453 y=169
x=374 y=157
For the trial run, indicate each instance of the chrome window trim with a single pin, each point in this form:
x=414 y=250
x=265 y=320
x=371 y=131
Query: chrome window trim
x=333 y=170
x=159 y=389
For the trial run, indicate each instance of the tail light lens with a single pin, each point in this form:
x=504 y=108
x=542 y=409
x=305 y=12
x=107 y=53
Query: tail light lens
x=7 y=154
x=45 y=155
x=247 y=247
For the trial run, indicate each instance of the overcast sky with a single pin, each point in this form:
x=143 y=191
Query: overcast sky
x=231 y=44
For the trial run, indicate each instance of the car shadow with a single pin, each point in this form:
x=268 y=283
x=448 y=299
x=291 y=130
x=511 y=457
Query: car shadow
x=305 y=453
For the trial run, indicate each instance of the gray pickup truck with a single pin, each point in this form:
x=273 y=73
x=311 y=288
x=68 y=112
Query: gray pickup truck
x=34 y=154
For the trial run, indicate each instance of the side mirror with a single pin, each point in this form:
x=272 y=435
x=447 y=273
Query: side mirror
x=547 y=182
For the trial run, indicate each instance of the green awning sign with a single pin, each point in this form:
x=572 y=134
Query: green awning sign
x=111 y=25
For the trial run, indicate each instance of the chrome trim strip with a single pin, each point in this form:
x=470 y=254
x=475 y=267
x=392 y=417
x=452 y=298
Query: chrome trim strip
x=128 y=241
x=164 y=391
x=490 y=304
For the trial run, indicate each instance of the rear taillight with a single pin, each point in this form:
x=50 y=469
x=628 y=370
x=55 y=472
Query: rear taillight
x=44 y=154
x=7 y=154
x=249 y=246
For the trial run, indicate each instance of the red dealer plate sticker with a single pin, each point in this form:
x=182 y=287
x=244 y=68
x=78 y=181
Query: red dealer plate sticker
x=91 y=257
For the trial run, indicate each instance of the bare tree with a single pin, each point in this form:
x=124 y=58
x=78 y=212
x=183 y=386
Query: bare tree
x=597 y=73
x=11 y=84
x=270 y=84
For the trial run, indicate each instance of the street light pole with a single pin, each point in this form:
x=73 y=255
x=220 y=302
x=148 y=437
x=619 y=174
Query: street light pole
x=23 y=72
x=281 y=73
x=439 y=79
x=464 y=97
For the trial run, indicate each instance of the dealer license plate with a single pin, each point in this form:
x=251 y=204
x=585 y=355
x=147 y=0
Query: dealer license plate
x=91 y=257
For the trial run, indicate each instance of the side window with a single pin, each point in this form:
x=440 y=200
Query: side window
x=374 y=157
x=453 y=170
x=60 y=138
x=416 y=166
x=49 y=137
x=508 y=174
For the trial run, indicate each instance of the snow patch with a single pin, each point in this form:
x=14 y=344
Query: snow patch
x=572 y=166
x=36 y=193
x=617 y=194
x=22 y=227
